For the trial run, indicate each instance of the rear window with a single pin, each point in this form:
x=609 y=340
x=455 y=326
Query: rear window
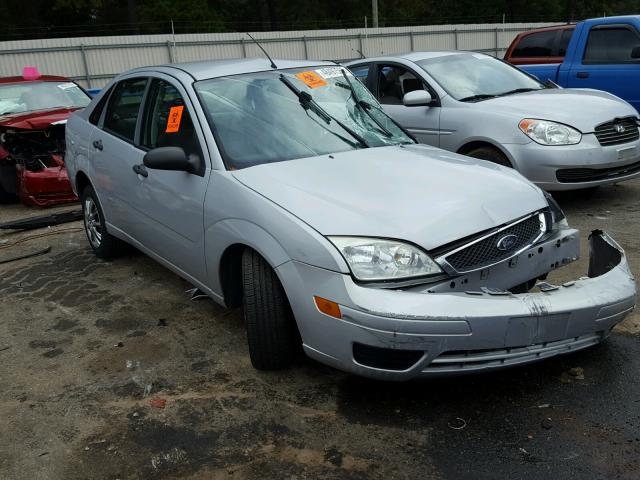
x=611 y=45
x=540 y=44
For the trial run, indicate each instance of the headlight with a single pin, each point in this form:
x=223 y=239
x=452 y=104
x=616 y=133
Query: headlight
x=378 y=259
x=545 y=132
x=558 y=219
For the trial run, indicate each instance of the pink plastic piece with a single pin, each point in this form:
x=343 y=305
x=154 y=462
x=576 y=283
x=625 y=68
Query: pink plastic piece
x=30 y=73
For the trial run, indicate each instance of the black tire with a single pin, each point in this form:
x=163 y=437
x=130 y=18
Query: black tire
x=104 y=245
x=491 y=154
x=271 y=329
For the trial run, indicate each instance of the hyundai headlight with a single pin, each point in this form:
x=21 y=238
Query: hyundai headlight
x=377 y=259
x=545 y=132
x=558 y=219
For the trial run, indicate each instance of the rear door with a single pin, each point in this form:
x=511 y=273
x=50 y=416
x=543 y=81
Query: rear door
x=607 y=63
x=390 y=82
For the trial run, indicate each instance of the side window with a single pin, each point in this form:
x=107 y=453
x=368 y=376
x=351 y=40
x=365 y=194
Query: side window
x=361 y=72
x=394 y=82
x=123 y=108
x=167 y=122
x=538 y=44
x=565 y=37
x=95 y=115
x=611 y=45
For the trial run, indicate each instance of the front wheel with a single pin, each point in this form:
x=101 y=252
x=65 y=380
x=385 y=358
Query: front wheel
x=271 y=329
x=103 y=244
x=490 y=154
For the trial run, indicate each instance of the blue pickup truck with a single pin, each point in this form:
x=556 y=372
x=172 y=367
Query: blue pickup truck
x=600 y=53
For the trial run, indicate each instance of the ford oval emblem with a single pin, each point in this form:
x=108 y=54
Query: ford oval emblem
x=507 y=242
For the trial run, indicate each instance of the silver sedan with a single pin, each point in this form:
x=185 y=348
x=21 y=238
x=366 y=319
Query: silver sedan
x=477 y=105
x=289 y=192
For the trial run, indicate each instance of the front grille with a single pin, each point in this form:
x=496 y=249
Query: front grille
x=476 y=360
x=609 y=134
x=486 y=252
x=576 y=175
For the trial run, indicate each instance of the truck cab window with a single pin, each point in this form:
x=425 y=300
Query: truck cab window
x=611 y=45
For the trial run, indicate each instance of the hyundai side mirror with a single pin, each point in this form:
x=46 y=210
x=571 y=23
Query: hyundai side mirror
x=417 y=98
x=171 y=158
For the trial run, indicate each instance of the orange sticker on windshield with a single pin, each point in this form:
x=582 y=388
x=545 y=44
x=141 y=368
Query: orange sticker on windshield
x=311 y=79
x=173 y=122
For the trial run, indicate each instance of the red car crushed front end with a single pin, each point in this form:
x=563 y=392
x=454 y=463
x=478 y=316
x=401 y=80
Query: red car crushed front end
x=32 y=147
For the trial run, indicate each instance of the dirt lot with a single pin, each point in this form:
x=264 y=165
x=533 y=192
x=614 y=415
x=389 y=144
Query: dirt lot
x=87 y=346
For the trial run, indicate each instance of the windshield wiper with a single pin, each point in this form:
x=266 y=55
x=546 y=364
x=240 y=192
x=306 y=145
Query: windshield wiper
x=308 y=103
x=517 y=90
x=364 y=106
x=475 y=98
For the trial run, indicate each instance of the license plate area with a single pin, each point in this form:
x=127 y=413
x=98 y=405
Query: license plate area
x=627 y=153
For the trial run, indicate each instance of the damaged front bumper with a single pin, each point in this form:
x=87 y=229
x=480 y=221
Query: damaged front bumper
x=398 y=335
x=46 y=187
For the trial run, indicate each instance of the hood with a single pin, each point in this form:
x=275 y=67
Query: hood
x=416 y=193
x=583 y=109
x=37 y=119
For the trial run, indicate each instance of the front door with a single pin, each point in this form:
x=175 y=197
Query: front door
x=392 y=82
x=607 y=63
x=171 y=203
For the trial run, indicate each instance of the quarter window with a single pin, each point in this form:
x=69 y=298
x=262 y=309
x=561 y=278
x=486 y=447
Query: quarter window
x=565 y=37
x=538 y=44
x=167 y=121
x=394 y=83
x=611 y=45
x=124 y=107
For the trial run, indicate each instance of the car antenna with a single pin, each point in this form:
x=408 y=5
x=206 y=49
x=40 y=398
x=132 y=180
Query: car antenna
x=273 y=65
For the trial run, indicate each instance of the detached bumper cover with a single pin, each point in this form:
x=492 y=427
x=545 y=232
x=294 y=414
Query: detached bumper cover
x=459 y=332
x=47 y=187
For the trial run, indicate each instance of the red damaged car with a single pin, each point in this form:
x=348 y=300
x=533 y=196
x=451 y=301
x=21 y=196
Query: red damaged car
x=33 y=112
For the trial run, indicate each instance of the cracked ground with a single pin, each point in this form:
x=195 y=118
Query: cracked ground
x=109 y=371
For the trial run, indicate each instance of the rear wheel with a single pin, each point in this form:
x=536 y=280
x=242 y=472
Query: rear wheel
x=491 y=154
x=271 y=329
x=103 y=244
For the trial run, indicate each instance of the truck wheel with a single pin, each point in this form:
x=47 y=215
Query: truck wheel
x=271 y=329
x=491 y=154
x=103 y=244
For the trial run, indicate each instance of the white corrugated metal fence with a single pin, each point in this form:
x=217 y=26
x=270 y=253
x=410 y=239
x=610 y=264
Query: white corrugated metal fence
x=92 y=61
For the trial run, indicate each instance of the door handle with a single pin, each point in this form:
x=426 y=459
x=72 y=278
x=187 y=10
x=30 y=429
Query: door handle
x=582 y=74
x=97 y=144
x=140 y=169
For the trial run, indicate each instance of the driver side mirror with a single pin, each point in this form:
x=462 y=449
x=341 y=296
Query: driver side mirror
x=635 y=52
x=171 y=158
x=417 y=98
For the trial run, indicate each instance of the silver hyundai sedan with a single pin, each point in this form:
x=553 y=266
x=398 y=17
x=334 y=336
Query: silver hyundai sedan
x=477 y=105
x=286 y=190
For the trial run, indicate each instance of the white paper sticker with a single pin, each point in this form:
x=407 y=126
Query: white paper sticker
x=66 y=85
x=330 y=72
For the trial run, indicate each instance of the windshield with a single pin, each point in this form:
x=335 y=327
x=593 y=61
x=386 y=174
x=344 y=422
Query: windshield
x=474 y=76
x=295 y=113
x=31 y=96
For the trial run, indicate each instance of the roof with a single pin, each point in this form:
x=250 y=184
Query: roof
x=221 y=68
x=41 y=78
x=412 y=56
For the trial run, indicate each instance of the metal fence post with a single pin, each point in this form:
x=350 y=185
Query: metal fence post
x=496 y=38
x=411 y=39
x=306 y=51
x=244 y=48
x=87 y=76
x=455 y=37
x=362 y=54
x=170 y=51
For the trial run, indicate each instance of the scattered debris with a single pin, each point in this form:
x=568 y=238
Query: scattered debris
x=5 y=348
x=547 y=423
x=41 y=251
x=41 y=221
x=157 y=402
x=147 y=390
x=544 y=405
x=132 y=364
x=460 y=423
x=196 y=294
x=43 y=454
x=119 y=345
x=577 y=372
x=333 y=456
x=162 y=322
x=174 y=457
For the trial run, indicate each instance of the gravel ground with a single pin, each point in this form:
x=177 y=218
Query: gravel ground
x=109 y=371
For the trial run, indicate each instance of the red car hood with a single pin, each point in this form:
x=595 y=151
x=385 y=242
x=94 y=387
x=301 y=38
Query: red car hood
x=36 y=120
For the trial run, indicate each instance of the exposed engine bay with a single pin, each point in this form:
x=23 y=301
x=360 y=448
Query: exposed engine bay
x=32 y=165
